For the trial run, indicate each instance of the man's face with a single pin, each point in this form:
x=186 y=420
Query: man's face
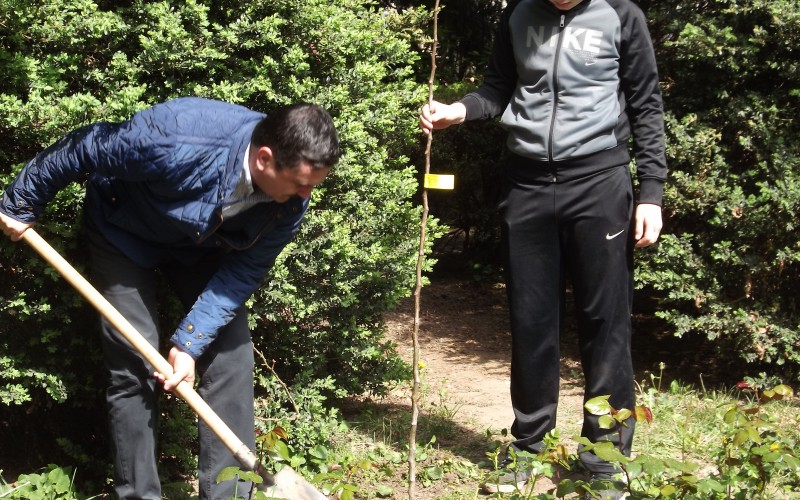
x=565 y=4
x=280 y=185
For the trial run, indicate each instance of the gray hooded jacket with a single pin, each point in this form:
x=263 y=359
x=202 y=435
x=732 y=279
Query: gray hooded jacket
x=573 y=87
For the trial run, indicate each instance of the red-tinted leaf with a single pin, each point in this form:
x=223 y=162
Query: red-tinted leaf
x=280 y=432
x=643 y=413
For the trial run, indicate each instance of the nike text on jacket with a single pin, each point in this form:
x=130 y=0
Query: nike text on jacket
x=572 y=87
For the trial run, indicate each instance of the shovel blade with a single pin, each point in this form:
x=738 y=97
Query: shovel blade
x=291 y=486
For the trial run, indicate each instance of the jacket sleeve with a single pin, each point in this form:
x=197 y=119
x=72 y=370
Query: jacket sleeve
x=239 y=276
x=132 y=150
x=71 y=159
x=639 y=77
x=500 y=78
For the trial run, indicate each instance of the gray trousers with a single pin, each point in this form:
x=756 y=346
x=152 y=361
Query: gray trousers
x=577 y=230
x=225 y=374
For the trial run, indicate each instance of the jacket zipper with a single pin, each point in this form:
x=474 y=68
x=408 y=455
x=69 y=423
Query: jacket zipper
x=550 y=138
x=203 y=237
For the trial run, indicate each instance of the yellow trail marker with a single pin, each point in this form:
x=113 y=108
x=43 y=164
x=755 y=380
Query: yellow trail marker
x=436 y=181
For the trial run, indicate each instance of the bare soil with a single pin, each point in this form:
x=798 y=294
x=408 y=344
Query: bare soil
x=465 y=355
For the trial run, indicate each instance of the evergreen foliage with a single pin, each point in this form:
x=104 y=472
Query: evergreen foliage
x=65 y=63
x=728 y=264
x=726 y=268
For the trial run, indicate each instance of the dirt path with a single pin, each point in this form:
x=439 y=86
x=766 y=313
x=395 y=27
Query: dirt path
x=465 y=346
x=465 y=350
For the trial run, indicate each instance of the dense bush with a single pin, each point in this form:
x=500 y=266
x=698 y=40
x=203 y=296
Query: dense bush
x=727 y=267
x=69 y=62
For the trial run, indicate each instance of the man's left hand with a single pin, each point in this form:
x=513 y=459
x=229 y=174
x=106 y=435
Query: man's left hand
x=182 y=369
x=648 y=224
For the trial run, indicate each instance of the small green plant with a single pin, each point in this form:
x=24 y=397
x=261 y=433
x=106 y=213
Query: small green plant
x=272 y=446
x=332 y=478
x=756 y=452
x=53 y=483
x=644 y=476
x=545 y=464
x=756 y=460
x=230 y=473
x=428 y=473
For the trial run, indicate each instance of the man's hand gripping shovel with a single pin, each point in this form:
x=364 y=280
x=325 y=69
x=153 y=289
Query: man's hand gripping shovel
x=285 y=484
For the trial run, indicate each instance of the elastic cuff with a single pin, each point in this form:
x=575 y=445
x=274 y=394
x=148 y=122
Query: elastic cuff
x=651 y=191
x=472 y=105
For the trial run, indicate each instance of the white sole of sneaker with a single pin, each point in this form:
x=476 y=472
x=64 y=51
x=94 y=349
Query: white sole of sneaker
x=503 y=488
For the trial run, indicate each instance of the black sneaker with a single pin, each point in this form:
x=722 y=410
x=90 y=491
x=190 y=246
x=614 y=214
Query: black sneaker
x=508 y=478
x=607 y=488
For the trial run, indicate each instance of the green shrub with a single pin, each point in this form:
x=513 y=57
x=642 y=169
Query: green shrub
x=71 y=62
x=728 y=264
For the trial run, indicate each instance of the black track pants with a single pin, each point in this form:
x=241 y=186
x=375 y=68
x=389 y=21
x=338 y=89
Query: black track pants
x=581 y=230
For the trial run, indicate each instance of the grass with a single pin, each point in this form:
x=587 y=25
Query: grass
x=683 y=423
x=696 y=426
x=688 y=427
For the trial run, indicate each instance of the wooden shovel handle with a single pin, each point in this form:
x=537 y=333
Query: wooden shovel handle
x=242 y=453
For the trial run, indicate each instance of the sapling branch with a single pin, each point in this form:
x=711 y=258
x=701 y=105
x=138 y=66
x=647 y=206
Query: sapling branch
x=271 y=368
x=415 y=390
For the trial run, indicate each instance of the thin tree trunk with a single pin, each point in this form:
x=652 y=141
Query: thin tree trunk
x=415 y=390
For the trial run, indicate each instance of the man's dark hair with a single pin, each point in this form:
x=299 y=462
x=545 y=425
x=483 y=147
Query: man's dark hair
x=299 y=132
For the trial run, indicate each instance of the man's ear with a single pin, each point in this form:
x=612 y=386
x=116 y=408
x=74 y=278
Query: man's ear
x=264 y=158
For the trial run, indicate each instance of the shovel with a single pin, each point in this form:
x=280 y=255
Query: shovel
x=285 y=484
